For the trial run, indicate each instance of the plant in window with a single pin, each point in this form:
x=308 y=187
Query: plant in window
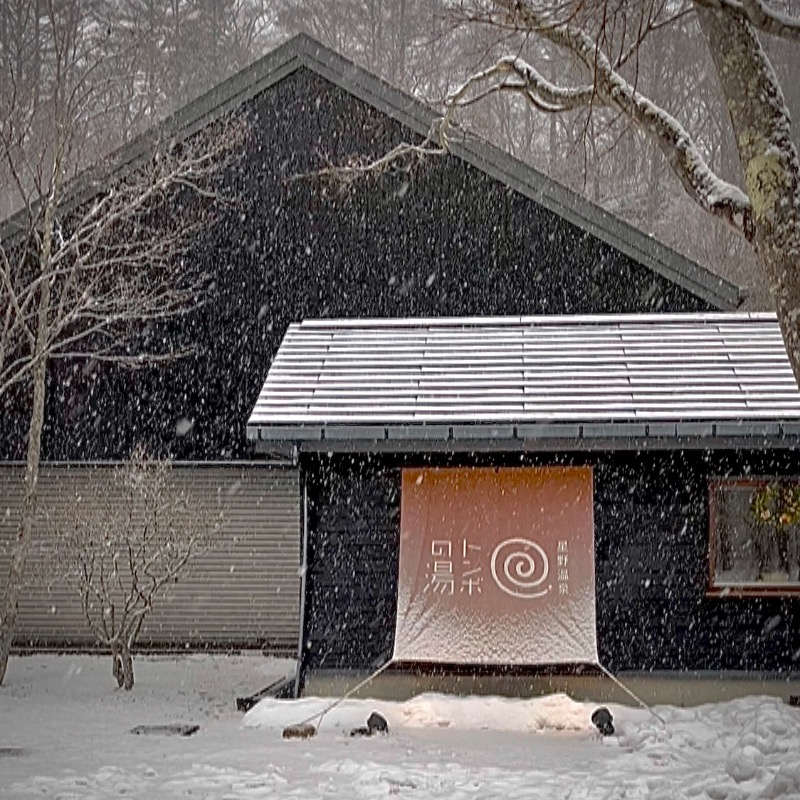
x=775 y=512
x=787 y=528
x=764 y=511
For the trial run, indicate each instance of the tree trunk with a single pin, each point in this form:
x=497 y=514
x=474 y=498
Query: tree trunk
x=783 y=270
x=116 y=666
x=127 y=666
x=16 y=572
x=762 y=128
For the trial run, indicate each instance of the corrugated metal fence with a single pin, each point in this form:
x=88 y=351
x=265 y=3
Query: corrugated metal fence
x=242 y=588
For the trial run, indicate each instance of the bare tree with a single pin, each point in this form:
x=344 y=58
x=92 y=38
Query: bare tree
x=120 y=543
x=605 y=39
x=393 y=38
x=87 y=263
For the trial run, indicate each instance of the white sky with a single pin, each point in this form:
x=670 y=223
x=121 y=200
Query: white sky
x=73 y=727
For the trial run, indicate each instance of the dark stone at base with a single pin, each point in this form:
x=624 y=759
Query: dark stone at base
x=166 y=730
x=377 y=724
x=603 y=721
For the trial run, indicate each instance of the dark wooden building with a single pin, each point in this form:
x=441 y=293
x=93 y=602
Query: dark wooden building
x=689 y=424
x=473 y=233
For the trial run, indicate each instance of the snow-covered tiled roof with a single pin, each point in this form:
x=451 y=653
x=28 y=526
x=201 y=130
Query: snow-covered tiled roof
x=529 y=377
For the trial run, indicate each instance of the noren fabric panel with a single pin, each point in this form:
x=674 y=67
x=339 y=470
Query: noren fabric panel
x=496 y=566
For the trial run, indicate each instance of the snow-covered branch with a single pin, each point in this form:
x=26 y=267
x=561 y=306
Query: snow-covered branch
x=612 y=90
x=513 y=74
x=603 y=36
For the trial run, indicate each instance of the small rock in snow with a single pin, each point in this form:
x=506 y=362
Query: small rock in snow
x=377 y=723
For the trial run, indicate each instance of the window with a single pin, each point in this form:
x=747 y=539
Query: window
x=755 y=537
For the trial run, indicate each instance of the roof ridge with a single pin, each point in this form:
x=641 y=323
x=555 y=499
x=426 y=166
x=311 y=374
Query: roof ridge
x=704 y=317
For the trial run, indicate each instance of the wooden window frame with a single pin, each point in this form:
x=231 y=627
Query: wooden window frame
x=749 y=589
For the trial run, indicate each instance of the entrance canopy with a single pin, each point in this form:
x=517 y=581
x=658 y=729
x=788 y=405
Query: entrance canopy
x=513 y=382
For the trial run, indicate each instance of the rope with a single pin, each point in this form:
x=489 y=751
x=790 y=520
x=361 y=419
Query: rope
x=630 y=693
x=320 y=714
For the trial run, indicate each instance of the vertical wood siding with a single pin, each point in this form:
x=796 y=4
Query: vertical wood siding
x=243 y=589
x=351 y=580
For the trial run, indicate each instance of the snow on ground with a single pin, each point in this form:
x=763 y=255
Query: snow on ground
x=65 y=733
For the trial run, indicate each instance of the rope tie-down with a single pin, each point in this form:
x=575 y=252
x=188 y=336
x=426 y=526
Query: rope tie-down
x=305 y=729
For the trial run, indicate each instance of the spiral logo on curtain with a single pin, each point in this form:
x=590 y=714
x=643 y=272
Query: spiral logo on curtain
x=520 y=567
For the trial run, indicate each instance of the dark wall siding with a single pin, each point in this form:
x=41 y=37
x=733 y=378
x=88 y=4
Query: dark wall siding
x=651 y=556
x=651 y=518
x=351 y=582
x=651 y=546
x=439 y=239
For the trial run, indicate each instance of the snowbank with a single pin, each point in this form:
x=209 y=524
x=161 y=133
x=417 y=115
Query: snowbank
x=65 y=731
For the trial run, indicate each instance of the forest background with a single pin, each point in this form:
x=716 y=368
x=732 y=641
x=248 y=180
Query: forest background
x=154 y=56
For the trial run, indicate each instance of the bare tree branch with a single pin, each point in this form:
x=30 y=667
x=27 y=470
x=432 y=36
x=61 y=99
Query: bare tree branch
x=515 y=75
x=357 y=167
x=112 y=265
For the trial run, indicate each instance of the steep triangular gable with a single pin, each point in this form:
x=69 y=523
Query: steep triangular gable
x=304 y=52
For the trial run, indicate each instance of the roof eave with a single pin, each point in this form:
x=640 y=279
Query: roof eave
x=566 y=436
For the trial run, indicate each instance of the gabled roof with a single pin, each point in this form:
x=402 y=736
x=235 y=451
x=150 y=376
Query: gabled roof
x=516 y=379
x=304 y=52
